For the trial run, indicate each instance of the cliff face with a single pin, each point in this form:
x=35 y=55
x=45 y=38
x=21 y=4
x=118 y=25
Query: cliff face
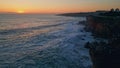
x=105 y=54
x=103 y=26
x=94 y=25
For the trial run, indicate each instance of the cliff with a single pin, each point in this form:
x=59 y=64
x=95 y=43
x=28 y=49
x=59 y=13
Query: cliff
x=106 y=26
x=103 y=26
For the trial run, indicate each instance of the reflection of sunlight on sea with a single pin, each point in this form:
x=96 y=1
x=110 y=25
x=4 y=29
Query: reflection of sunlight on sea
x=27 y=21
x=19 y=24
x=29 y=34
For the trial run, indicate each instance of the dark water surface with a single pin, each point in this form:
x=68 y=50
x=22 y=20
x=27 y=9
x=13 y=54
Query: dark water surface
x=43 y=41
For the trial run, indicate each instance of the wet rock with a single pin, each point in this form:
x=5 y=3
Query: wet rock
x=103 y=55
x=82 y=22
x=82 y=39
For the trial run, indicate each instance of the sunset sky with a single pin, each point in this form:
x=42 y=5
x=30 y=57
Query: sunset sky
x=56 y=6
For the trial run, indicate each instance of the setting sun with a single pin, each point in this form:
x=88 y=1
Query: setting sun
x=20 y=11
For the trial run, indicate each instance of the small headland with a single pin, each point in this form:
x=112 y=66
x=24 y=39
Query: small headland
x=105 y=53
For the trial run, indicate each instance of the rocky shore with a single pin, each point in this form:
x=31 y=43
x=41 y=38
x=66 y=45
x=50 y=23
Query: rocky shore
x=105 y=54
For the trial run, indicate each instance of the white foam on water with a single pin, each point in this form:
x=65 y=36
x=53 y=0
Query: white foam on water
x=59 y=43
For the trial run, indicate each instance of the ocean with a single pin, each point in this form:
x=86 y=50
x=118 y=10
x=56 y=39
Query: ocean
x=43 y=41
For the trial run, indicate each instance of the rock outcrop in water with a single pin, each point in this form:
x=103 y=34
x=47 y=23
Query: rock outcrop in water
x=105 y=54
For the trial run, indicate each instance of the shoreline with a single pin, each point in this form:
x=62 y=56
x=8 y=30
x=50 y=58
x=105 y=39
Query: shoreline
x=80 y=14
x=106 y=26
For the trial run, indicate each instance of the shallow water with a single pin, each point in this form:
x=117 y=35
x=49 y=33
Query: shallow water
x=43 y=41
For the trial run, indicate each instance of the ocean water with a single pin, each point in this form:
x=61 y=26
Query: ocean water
x=43 y=41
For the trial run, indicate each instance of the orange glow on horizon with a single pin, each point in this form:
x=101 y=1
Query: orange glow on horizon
x=56 y=6
x=20 y=11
